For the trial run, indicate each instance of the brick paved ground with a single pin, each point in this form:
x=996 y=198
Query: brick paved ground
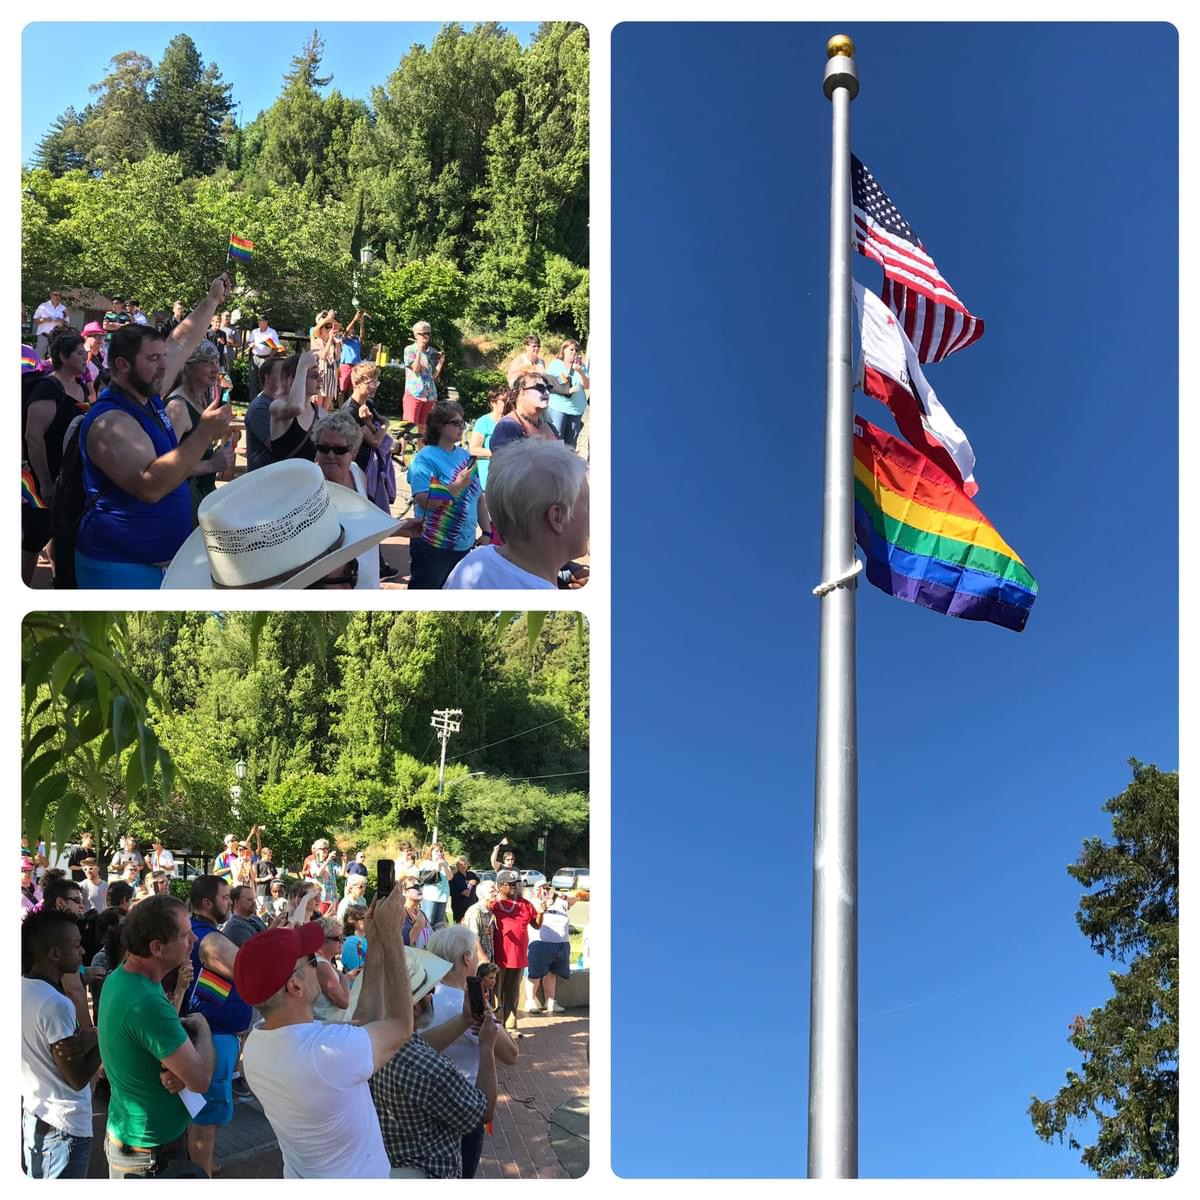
x=540 y=1129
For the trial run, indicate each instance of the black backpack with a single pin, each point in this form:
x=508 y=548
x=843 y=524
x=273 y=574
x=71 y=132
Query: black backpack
x=70 y=503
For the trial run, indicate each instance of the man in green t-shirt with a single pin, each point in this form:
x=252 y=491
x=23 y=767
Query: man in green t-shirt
x=149 y=1053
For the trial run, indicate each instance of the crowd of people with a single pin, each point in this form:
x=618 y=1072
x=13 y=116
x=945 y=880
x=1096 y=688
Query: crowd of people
x=127 y=433
x=396 y=1006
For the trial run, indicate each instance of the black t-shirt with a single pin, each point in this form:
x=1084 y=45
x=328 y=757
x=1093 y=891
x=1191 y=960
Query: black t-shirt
x=462 y=892
x=75 y=858
x=65 y=411
x=258 y=432
x=266 y=871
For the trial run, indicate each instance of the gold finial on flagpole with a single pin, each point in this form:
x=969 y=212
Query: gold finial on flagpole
x=840 y=43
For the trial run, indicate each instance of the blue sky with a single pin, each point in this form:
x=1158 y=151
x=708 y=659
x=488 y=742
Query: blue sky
x=1038 y=166
x=253 y=56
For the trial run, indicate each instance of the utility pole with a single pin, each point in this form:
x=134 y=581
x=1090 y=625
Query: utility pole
x=446 y=722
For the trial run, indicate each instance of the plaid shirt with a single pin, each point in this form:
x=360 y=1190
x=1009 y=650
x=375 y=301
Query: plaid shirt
x=425 y=1106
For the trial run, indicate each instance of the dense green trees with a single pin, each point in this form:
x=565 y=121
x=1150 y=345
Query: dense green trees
x=467 y=174
x=1127 y=1091
x=331 y=714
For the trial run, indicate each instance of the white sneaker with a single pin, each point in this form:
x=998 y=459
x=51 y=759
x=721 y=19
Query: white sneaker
x=533 y=1005
x=553 y=1006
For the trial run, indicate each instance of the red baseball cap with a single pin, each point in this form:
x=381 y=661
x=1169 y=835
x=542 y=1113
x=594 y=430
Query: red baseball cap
x=265 y=963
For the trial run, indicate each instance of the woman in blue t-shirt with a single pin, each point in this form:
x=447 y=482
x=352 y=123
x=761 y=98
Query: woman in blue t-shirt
x=480 y=444
x=447 y=498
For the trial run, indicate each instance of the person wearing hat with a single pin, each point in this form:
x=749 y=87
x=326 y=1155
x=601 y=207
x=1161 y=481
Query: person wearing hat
x=514 y=918
x=311 y=1077
x=185 y=405
x=422 y=369
x=284 y=526
x=50 y=315
x=426 y=1105
x=138 y=511
x=326 y=344
x=97 y=359
x=31 y=894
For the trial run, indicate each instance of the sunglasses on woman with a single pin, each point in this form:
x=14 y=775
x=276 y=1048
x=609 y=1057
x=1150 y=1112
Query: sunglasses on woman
x=326 y=448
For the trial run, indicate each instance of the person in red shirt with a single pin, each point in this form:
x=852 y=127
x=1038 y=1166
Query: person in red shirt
x=511 y=941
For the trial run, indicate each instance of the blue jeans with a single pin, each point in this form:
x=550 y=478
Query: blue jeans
x=435 y=912
x=52 y=1154
x=567 y=425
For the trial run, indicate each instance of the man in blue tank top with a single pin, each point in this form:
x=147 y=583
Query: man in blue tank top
x=216 y=998
x=137 y=511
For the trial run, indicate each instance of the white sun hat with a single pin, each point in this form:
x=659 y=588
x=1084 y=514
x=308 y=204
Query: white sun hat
x=282 y=526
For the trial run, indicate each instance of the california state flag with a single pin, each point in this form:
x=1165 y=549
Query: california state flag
x=890 y=371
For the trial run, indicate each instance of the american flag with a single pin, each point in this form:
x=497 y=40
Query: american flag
x=933 y=317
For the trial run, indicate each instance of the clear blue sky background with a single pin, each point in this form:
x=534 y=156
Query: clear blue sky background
x=1038 y=165
x=253 y=56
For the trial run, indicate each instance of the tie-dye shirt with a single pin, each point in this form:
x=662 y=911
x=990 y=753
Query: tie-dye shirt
x=449 y=522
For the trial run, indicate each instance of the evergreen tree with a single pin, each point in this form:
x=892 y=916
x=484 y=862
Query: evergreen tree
x=118 y=127
x=1129 y=1082
x=189 y=108
x=64 y=146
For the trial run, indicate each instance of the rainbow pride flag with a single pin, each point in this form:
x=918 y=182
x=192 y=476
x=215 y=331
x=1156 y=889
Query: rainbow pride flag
x=240 y=249
x=927 y=543
x=29 y=490
x=213 y=986
x=30 y=359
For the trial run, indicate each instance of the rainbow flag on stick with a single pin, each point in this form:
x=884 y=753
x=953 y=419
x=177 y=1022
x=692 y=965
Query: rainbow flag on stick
x=240 y=249
x=927 y=543
x=213 y=986
x=29 y=490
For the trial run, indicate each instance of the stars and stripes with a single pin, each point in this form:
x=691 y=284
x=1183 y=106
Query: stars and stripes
x=935 y=320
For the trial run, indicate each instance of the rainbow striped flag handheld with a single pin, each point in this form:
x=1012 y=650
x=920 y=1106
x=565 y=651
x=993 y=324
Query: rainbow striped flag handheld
x=214 y=987
x=240 y=249
x=927 y=543
x=29 y=490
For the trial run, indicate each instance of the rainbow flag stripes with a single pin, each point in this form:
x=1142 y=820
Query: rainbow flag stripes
x=446 y=513
x=29 y=490
x=240 y=249
x=926 y=543
x=213 y=986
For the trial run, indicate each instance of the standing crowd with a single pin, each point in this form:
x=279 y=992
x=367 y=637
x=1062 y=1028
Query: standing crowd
x=397 y=1007
x=127 y=431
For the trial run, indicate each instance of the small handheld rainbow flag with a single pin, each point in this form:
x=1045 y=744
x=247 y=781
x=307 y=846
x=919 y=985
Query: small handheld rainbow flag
x=29 y=490
x=240 y=249
x=212 y=986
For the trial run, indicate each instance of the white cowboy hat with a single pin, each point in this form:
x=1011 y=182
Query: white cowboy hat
x=282 y=526
x=425 y=970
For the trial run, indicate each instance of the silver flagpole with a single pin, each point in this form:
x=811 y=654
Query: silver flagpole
x=833 y=1029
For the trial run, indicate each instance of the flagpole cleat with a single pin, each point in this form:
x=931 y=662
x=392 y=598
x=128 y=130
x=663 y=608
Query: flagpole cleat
x=842 y=580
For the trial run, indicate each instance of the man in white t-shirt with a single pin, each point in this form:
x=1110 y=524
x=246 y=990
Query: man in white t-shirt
x=549 y=951
x=538 y=500
x=332 y=1132
x=59 y=1051
x=160 y=859
x=50 y=315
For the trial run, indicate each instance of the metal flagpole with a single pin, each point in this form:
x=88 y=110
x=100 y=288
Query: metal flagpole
x=833 y=1028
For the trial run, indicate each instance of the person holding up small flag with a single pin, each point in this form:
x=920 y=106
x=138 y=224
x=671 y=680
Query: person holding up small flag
x=138 y=508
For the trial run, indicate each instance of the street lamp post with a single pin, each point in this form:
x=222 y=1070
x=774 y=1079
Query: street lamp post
x=235 y=792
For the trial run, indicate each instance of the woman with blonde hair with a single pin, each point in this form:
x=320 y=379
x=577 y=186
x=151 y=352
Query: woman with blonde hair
x=335 y=995
x=191 y=396
x=326 y=343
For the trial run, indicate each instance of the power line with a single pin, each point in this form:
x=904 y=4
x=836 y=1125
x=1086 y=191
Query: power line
x=507 y=739
x=526 y=778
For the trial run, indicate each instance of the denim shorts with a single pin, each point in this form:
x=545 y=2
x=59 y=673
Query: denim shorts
x=549 y=956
